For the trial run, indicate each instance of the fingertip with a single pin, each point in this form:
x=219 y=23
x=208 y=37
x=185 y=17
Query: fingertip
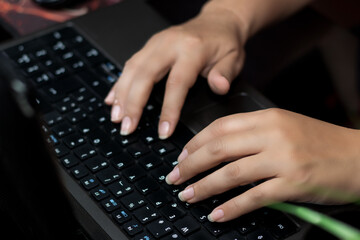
x=116 y=113
x=110 y=98
x=164 y=130
x=219 y=84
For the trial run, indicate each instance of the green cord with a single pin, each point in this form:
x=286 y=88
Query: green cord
x=331 y=225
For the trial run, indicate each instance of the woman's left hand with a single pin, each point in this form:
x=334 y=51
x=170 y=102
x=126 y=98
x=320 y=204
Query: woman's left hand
x=301 y=159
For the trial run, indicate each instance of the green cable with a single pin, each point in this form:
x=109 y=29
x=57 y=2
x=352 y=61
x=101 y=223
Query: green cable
x=331 y=225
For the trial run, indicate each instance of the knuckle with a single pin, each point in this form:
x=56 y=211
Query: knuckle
x=217 y=148
x=233 y=172
x=258 y=196
x=131 y=64
x=219 y=126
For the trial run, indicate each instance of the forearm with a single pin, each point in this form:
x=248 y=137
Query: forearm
x=255 y=14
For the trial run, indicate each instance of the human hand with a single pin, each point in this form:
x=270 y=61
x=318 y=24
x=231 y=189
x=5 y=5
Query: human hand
x=210 y=44
x=300 y=159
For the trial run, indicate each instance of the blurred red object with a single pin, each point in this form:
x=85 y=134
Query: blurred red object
x=22 y=17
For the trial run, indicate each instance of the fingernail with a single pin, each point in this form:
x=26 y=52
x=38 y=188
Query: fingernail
x=173 y=176
x=110 y=96
x=115 y=113
x=187 y=194
x=125 y=126
x=216 y=215
x=164 y=128
x=182 y=155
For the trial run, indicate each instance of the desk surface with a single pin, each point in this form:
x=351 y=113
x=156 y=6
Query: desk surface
x=23 y=17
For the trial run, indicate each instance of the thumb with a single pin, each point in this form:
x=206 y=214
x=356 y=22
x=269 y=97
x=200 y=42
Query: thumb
x=224 y=71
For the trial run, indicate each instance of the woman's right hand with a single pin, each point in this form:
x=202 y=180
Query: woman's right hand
x=211 y=44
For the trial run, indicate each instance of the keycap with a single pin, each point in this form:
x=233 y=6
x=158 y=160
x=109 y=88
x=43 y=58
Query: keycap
x=110 y=204
x=132 y=227
x=121 y=216
x=282 y=227
x=146 y=214
x=146 y=185
x=160 y=228
x=187 y=225
x=96 y=164
x=69 y=161
x=134 y=173
x=85 y=151
x=259 y=234
x=233 y=235
x=160 y=198
x=74 y=141
x=108 y=175
x=99 y=193
x=79 y=171
x=89 y=182
x=133 y=201
x=201 y=235
x=172 y=211
x=120 y=188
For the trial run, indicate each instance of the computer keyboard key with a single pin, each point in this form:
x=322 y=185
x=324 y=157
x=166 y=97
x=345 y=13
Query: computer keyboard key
x=110 y=149
x=121 y=216
x=134 y=173
x=282 y=228
x=110 y=204
x=61 y=150
x=260 y=234
x=160 y=198
x=133 y=201
x=133 y=227
x=160 y=173
x=233 y=235
x=150 y=161
x=101 y=117
x=52 y=118
x=99 y=193
x=144 y=236
x=187 y=225
x=174 y=236
x=76 y=115
x=112 y=128
x=172 y=157
x=86 y=126
x=217 y=229
x=200 y=235
x=146 y=185
x=160 y=228
x=120 y=188
x=74 y=141
x=146 y=214
x=172 y=211
x=89 y=182
x=98 y=137
x=200 y=212
x=108 y=176
x=84 y=152
x=122 y=160
x=82 y=94
x=96 y=164
x=138 y=150
x=79 y=171
x=163 y=148
x=127 y=140
x=70 y=161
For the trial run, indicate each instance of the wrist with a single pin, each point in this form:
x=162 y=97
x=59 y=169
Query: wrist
x=231 y=9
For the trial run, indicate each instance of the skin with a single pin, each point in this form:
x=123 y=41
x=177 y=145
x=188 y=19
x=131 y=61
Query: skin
x=301 y=159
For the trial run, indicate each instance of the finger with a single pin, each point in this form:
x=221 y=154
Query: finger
x=177 y=87
x=224 y=72
x=109 y=99
x=235 y=123
x=144 y=65
x=238 y=173
x=221 y=149
x=273 y=190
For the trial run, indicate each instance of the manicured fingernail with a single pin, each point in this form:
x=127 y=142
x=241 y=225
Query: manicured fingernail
x=173 y=176
x=125 y=126
x=187 y=194
x=216 y=215
x=164 y=128
x=110 y=96
x=182 y=155
x=115 y=113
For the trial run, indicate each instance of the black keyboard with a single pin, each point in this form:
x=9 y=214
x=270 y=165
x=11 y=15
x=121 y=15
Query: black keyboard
x=125 y=176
